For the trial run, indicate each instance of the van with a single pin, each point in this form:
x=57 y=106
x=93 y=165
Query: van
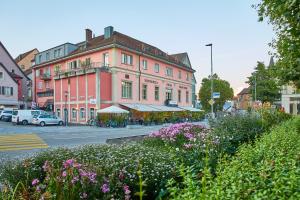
x=24 y=116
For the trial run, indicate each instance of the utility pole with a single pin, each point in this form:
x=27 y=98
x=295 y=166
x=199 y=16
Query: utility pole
x=255 y=87
x=211 y=79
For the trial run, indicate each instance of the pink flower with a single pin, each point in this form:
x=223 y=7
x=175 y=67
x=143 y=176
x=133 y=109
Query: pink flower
x=46 y=166
x=64 y=174
x=83 y=196
x=105 y=188
x=35 y=182
x=74 y=180
x=68 y=163
x=126 y=189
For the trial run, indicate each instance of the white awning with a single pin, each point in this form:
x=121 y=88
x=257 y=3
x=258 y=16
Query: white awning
x=140 y=107
x=190 y=109
x=166 y=108
x=112 y=109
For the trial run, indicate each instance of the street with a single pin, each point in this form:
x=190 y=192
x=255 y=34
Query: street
x=20 y=141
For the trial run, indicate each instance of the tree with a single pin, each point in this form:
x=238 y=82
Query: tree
x=267 y=87
x=284 y=17
x=221 y=86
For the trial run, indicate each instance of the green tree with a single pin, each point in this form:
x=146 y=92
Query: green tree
x=267 y=87
x=221 y=86
x=284 y=16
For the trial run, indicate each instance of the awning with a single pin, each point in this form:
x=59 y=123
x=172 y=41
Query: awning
x=190 y=109
x=140 y=107
x=166 y=108
x=151 y=107
x=113 y=109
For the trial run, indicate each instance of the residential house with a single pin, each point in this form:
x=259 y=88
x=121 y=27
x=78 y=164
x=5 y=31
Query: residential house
x=244 y=99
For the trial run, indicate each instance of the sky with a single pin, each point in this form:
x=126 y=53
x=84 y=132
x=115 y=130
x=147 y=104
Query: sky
x=174 y=26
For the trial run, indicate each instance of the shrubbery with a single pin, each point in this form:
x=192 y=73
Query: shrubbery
x=268 y=169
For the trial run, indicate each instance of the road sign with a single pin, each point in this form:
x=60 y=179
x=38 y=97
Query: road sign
x=216 y=95
x=211 y=102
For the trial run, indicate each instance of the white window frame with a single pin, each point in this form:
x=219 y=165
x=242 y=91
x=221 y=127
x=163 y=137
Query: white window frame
x=82 y=113
x=58 y=113
x=126 y=90
x=179 y=96
x=93 y=113
x=179 y=74
x=106 y=59
x=74 y=114
x=156 y=68
x=187 y=96
x=169 y=71
x=126 y=59
x=187 y=77
x=145 y=64
x=156 y=97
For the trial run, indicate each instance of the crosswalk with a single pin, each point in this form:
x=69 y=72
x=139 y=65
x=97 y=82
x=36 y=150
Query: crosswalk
x=15 y=142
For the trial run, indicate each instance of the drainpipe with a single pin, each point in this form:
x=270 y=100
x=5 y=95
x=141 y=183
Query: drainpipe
x=139 y=77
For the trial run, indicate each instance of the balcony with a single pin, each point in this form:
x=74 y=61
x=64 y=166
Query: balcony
x=45 y=77
x=83 y=69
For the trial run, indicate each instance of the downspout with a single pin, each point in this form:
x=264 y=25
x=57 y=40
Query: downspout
x=139 y=77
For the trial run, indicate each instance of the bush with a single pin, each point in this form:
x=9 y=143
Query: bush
x=115 y=166
x=268 y=169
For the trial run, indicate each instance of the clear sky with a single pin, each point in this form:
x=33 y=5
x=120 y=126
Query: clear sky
x=174 y=26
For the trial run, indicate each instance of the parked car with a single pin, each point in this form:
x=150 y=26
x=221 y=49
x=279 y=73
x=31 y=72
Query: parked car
x=6 y=115
x=25 y=116
x=45 y=119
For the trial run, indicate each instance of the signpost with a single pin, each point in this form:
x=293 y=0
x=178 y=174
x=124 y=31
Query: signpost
x=216 y=95
x=211 y=102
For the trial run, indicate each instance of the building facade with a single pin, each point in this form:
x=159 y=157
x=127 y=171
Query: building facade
x=290 y=99
x=244 y=99
x=13 y=82
x=110 y=69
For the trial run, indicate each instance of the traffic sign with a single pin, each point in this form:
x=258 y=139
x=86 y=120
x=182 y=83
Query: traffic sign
x=211 y=102
x=216 y=95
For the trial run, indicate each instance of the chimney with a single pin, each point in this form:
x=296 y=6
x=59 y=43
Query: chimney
x=88 y=34
x=108 y=31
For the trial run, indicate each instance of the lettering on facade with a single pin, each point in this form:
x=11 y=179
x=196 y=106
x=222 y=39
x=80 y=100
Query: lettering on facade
x=183 y=87
x=151 y=81
x=169 y=85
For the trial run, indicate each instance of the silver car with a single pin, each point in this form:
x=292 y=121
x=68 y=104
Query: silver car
x=45 y=119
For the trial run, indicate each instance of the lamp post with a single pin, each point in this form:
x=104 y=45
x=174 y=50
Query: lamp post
x=23 y=97
x=211 y=79
x=66 y=111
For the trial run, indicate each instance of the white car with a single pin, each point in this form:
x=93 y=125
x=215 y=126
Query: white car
x=25 y=116
x=46 y=119
x=5 y=113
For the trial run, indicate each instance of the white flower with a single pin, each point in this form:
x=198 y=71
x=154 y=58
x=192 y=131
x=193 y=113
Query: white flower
x=177 y=149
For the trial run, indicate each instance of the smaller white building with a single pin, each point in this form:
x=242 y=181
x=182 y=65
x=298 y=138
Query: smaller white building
x=290 y=100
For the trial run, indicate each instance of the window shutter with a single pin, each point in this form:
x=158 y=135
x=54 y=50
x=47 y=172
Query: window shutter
x=0 y=90
x=11 y=91
x=3 y=90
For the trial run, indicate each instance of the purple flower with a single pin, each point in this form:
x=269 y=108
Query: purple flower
x=92 y=176
x=105 y=188
x=35 y=182
x=74 y=180
x=68 y=163
x=126 y=189
x=188 y=146
x=64 y=174
x=46 y=166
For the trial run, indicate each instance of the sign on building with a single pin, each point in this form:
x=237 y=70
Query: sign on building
x=216 y=95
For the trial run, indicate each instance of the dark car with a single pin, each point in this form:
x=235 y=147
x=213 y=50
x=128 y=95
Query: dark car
x=6 y=118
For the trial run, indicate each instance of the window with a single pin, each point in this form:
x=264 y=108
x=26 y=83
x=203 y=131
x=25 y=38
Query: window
x=73 y=64
x=82 y=113
x=74 y=113
x=127 y=59
x=169 y=71
x=105 y=59
x=1 y=75
x=7 y=91
x=187 y=96
x=179 y=95
x=47 y=85
x=145 y=64
x=144 y=92
x=47 y=71
x=92 y=113
x=40 y=85
x=168 y=94
x=156 y=67
x=58 y=112
x=47 y=56
x=179 y=74
x=156 y=93
x=57 y=68
x=40 y=58
x=56 y=53
x=126 y=90
x=37 y=72
x=187 y=76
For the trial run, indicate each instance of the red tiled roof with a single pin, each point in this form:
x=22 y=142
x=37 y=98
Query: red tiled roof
x=23 y=55
x=126 y=41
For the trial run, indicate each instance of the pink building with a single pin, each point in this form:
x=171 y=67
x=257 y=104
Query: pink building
x=110 y=69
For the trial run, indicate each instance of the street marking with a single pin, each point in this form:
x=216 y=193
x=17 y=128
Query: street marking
x=17 y=142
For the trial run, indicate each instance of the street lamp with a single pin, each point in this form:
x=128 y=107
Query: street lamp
x=23 y=97
x=66 y=111
x=211 y=80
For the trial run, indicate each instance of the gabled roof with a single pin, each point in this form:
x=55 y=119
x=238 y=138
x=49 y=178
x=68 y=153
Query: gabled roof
x=23 y=55
x=245 y=91
x=128 y=42
x=13 y=60
x=9 y=73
